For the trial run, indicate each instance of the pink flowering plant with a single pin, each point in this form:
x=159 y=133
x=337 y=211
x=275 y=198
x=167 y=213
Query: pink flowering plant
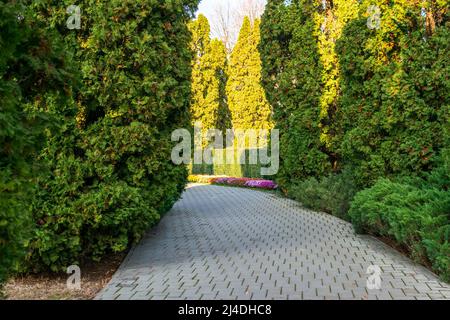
x=243 y=182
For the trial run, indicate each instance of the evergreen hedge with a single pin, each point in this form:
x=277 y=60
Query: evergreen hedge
x=35 y=79
x=345 y=95
x=366 y=101
x=110 y=174
x=395 y=90
x=292 y=75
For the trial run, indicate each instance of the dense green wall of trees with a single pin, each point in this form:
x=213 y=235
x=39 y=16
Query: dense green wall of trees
x=395 y=91
x=112 y=92
x=359 y=102
x=36 y=75
x=346 y=95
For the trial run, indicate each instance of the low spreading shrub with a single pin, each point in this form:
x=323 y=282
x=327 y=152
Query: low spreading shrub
x=415 y=214
x=332 y=194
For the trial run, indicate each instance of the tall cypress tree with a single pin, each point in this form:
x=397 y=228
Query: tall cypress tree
x=208 y=101
x=293 y=81
x=246 y=98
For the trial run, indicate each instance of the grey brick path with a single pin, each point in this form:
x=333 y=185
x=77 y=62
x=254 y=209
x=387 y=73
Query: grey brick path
x=227 y=243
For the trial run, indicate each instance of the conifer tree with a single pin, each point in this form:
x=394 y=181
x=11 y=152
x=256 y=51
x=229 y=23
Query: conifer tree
x=216 y=100
x=110 y=174
x=208 y=101
x=246 y=98
x=293 y=81
x=395 y=88
x=36 y=77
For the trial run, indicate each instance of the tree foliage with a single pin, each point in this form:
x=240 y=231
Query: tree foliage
x=208 y=101
x=35 y=80
x=110 y=174
x=347 y=95
x=395 y=90
x=292 y=77
x=246 y=98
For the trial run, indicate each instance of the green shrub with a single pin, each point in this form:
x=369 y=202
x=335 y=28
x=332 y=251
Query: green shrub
x=109 y=173
x=416 y=216
x=332 y=194
x=35 y=75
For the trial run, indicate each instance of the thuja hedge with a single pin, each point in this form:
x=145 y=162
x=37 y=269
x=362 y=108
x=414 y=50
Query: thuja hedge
x=384 y=115
x=35 y=80
x=356 y=104
x=292 y=79
x=395 y=90
x=109 y=174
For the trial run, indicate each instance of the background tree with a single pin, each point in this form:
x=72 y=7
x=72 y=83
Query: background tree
x=246 y=98
x=217 y=98
x=208 y=101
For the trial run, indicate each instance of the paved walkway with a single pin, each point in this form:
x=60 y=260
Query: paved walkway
x=227 y=243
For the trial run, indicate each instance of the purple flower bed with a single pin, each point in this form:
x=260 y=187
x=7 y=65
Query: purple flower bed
x=219 y=180
x=262 y=184
x=246 y=182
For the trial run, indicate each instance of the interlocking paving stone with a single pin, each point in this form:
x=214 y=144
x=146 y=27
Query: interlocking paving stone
x=228 y=243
